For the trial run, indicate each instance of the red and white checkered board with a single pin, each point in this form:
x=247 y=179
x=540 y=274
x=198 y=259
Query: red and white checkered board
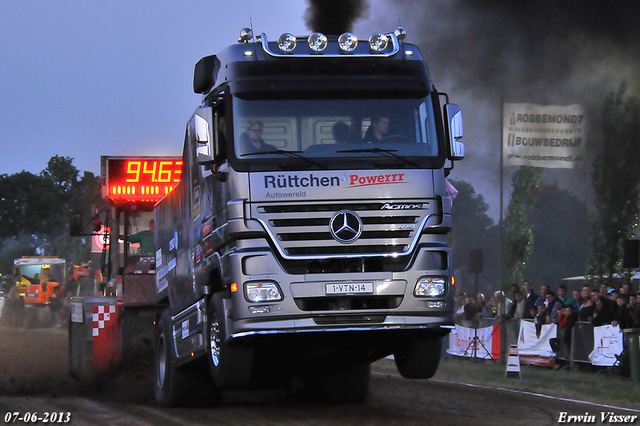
x=101 y=315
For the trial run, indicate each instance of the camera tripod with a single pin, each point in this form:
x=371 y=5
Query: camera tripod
x=473 y=346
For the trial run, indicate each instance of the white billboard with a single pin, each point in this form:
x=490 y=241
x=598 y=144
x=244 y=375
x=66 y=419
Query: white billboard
x=543 y=136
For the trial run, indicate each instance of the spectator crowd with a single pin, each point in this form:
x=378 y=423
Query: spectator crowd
x=603 y=305
x=599 y=306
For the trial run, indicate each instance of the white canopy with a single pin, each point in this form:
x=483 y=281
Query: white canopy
x=38 y=261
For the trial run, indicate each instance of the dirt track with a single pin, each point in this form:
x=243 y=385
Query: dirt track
x=35 y=362
x=34 y=377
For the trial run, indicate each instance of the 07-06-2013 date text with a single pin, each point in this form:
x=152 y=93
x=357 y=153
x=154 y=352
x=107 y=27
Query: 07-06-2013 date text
x=35 y=417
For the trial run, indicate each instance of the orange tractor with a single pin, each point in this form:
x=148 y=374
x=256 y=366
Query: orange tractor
x=39 y=280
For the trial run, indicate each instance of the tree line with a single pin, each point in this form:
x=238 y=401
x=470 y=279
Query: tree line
x=35 y=211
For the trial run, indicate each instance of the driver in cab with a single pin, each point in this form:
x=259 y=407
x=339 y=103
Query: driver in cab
x=378 y=129
x=251 y=140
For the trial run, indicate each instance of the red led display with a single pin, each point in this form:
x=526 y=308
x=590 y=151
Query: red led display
x=139 y=179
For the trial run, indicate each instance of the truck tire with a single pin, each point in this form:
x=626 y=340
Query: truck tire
x=350 y=386
x=326 y=385
x=231 y=365
x=170 y=383
x=419 y=357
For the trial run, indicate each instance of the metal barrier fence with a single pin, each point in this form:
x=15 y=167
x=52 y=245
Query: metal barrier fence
x=582 y=344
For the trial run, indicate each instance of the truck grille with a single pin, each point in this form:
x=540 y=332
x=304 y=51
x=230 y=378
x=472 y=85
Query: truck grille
x=303 y=230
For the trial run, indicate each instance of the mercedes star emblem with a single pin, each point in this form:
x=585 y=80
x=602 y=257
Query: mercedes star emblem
x=346 y=226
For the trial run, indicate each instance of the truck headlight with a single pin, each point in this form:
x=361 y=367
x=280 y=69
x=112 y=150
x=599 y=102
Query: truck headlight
x=257 y=292
x=430 y=287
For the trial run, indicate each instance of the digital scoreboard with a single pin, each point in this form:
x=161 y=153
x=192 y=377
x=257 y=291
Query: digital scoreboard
x=139 y=179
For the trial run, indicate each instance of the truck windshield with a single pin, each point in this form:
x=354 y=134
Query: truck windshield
x=335 y=130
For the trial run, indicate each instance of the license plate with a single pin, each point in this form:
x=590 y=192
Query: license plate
x=32 y=295
x=349 y=288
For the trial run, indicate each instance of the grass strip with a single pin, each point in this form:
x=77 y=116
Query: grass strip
x=588 y=383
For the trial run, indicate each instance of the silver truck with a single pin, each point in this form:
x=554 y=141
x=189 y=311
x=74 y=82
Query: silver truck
x=306 y=238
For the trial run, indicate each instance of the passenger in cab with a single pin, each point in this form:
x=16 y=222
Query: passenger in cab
x=342 y=133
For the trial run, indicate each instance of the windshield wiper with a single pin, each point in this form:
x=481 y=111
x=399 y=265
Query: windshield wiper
x=383 y=151
x=292 y=154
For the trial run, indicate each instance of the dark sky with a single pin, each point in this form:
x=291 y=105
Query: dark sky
x=89 y=78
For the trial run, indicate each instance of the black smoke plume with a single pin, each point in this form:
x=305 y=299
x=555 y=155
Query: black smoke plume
x=552 y=52
x=335 y=17
x=507 y=46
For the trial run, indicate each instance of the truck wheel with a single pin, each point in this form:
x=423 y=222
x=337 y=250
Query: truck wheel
x=231 y=365
x=350 y=386
x=170 y=383
x=419 y=357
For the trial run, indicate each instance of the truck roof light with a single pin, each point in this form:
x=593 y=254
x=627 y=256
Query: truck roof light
x=245 y=35
x=287 y=42
x=400 y=33
x=348 y=42
x=317 y=42
x=378 y=42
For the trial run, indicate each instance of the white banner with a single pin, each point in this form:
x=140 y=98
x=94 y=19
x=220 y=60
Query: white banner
x=529 y=343
x=461 y=342
x=607 y=343
x=543 y=136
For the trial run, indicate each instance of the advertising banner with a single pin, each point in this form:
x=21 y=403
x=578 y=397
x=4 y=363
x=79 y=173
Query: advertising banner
x=607 y=343
x=486 y=346
x=543 y=136
x=534 y=348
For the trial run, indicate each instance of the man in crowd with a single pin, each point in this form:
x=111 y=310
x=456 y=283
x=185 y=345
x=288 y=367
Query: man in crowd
x=566 y=320
x=518 y=307
x=500 y=314
x=554 y=305
x=563 y=295
x=622 y=315
x=530 y=299
x=601 y=313
x=586 y=295
x=544 y=289
x=577 y=300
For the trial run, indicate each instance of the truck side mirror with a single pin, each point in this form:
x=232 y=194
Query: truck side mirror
x=205 y=149
x=205 y=74
x=453 y=127
x=75 y=226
